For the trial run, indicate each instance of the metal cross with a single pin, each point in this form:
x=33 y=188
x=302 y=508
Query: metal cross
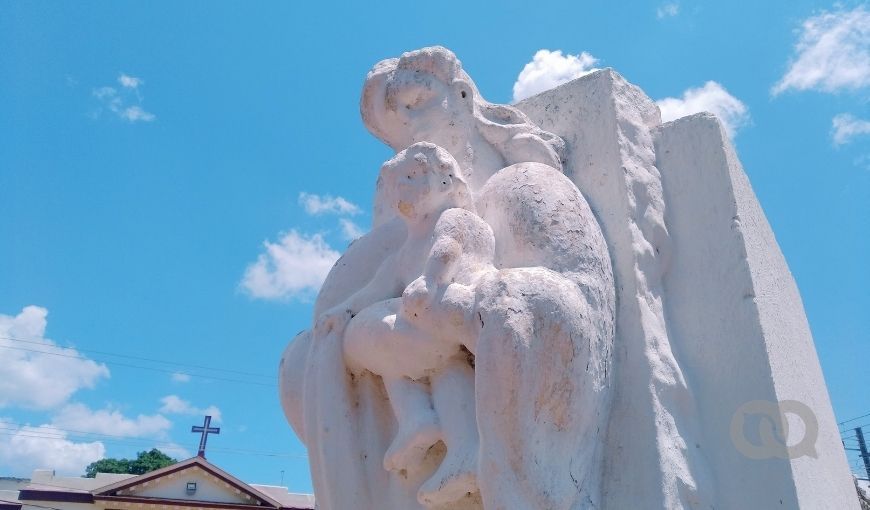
x=205 y=429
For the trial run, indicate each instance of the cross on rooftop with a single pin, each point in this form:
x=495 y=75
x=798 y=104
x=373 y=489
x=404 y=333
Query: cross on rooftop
x=205 y=429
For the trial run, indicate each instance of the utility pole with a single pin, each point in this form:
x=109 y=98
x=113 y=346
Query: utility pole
x=862 y=449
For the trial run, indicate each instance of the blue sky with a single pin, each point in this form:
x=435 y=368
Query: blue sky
x=149 y=150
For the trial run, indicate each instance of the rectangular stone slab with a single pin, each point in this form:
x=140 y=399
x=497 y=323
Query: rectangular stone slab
x=709 y=317
x=735 y=311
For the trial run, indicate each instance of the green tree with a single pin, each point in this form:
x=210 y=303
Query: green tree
x=143 y=463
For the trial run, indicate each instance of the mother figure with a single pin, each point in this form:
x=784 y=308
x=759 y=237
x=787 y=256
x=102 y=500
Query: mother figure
x=533 y=381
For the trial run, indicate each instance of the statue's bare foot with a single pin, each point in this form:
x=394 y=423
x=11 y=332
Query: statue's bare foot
x=410 y=445
x=455 y=478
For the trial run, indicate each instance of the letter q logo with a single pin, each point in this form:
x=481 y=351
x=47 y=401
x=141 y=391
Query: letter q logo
x=773 y=428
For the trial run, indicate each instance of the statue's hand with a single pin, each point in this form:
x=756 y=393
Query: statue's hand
x=417 y=298
x=333 y=320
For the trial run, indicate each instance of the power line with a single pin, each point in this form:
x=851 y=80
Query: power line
x=8 y=425
x=59 y=431
x=128 y=365
x=134 y=441
x=854 y=435
x=140 y=358
x=854 y=419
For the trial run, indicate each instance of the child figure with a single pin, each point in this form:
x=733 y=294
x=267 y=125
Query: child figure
x=421 y=182
x=424 y=340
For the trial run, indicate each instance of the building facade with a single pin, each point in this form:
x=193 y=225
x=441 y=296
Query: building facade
x=192 y=484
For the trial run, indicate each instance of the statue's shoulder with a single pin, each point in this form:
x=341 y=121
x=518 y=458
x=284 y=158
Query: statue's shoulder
x=541 y=218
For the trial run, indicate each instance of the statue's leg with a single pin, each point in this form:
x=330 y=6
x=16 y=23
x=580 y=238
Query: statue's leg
x=378 y=341
x=453 y=395
x=418 y=427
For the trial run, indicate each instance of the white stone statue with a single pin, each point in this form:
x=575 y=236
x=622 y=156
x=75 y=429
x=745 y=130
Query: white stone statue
x=485 y=264
x=491 y=345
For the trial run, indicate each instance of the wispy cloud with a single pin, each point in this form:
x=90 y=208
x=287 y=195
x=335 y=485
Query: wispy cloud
x=863 y=161
x=831 y=54
x=175 y=450
x=350 y=230
x=845 y=127
x=126 y=102
x=81 y=418
x=25 y=448
x=180 y=377
x=28 y=360
x=667 y=10
x=327 y=204
x=295 y=266
x=173 y=404
x=136 y=113
x=130 y=82
x=713 y=98
x=549 y=69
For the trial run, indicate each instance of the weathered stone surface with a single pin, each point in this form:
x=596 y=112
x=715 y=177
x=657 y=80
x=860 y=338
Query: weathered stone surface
x=606 y=124
x=692 y=253
x=421 y=381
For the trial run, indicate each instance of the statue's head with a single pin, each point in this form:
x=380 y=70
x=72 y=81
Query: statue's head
x=421 y=91
x=424 y=179
x=425 y=95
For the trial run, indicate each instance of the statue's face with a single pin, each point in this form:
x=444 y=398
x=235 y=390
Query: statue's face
x=423 y=104
x=422 y=182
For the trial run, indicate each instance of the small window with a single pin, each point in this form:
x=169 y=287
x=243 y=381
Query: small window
x=191 y=487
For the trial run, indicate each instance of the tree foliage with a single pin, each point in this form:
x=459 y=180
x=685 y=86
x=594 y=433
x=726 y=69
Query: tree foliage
x=143 y=463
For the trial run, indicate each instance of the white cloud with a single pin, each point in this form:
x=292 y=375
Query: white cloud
x=846 y=127
x=294 y=266
x=109 y=98
x=44 y=379
x=713 y=98
x=126 y=103
x=25 y=448
x=667 y=10
x=136 y=113
x=173 y=404
x=80 y=418
x=180 y=377
x=549 y=69
x=130 y=82
x=327 y=204
x=350 y=230
x=833 y=53
x=174 y=450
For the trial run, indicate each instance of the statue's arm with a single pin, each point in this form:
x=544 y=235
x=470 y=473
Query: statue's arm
x=383 y=285
x=441 y=264
x=440 y=268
